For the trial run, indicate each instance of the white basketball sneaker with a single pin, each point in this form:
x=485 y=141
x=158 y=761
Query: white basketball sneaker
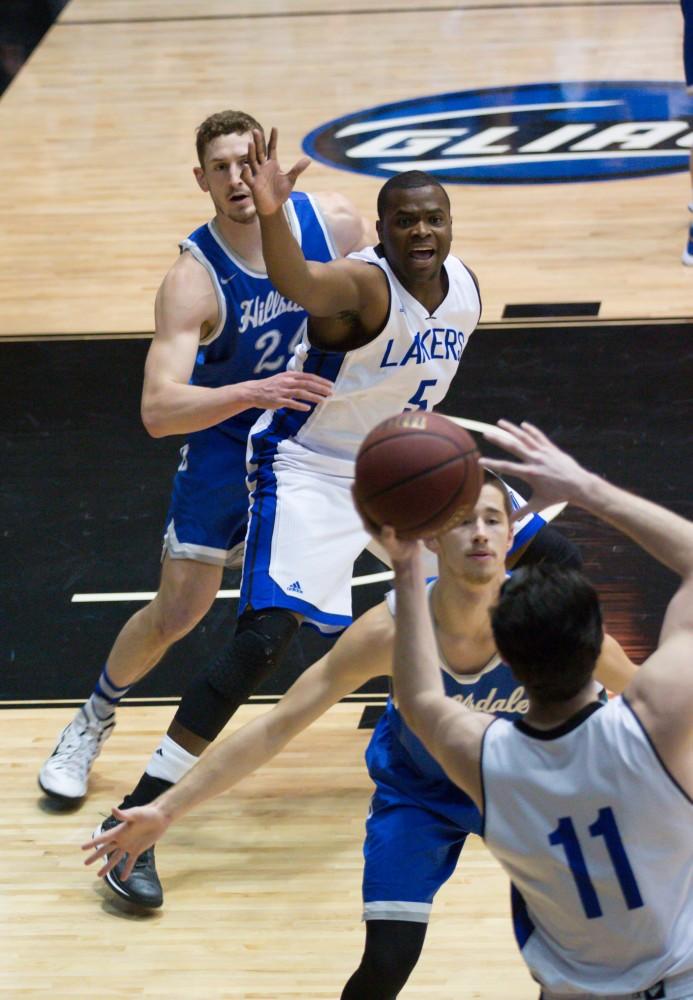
x=65 y=774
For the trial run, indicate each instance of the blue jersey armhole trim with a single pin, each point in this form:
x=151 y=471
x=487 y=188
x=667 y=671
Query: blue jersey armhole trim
x=523 y=925
x=654 y=750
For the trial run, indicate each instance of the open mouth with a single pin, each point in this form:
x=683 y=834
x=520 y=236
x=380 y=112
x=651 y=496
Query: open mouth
x=242 y=196
x=422 y=253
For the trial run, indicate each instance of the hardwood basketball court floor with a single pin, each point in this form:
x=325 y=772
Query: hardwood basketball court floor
x=587 y=330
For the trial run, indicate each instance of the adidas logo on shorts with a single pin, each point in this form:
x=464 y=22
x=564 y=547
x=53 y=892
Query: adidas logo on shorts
x=295 y=587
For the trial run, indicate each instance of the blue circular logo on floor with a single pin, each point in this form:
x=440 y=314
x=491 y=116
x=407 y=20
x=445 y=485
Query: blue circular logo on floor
x=535 y=133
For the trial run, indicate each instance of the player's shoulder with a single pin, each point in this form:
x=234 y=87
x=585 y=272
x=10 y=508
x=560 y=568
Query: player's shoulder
x=334 y=202
x=186 y=294
x=369 y=255
x=186 y=275
x=390 y=601
x=348 y=227
x=463 y=268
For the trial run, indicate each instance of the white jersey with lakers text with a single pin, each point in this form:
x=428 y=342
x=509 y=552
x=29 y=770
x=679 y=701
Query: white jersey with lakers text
x=409 y=365
x=597 y=839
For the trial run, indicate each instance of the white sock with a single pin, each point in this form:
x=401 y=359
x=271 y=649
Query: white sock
x=170 y=761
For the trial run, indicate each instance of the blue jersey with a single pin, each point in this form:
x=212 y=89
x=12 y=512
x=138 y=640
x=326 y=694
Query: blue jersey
x=257 y=328
x=397 y=757
x=253 y=338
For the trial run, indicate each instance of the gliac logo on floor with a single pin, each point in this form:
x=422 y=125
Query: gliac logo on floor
x=536 y=133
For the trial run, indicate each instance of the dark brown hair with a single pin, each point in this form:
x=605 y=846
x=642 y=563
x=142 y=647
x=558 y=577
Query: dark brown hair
x=223 y=123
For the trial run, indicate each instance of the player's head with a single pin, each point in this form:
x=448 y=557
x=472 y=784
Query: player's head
x=474 y=551
x=222 y=149
x=548 y=628
x=414 y=225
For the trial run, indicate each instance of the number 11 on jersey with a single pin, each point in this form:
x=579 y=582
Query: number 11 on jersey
x=604 y=826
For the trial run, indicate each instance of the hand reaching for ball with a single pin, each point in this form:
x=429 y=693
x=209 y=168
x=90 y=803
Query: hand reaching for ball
x=552 y=474
x=418 y=472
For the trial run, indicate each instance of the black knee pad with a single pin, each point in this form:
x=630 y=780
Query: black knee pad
x=258 y=646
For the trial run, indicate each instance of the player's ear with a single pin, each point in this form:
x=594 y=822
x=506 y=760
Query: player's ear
x=379 y=230
x=201 y=179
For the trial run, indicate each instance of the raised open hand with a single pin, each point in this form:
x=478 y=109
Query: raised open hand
x=552 y=474
x=269 y=186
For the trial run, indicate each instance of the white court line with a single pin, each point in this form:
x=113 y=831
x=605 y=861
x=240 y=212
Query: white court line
x=358 y=581
x=145 y=595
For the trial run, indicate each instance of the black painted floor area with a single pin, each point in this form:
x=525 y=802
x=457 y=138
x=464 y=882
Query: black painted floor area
x=84 y=490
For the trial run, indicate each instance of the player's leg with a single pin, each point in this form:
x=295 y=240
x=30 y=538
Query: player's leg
x=295 y=566
x=209 y=701
x=205 y=525
x=186 y=592
x=303 y=536
x=391 y=952
x=410 y=851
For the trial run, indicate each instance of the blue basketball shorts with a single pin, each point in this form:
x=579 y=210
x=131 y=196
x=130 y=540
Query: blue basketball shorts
x=415 y=832
x=208 y=516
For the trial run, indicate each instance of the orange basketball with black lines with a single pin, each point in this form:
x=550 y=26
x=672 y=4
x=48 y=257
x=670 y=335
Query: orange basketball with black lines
x=418 y=472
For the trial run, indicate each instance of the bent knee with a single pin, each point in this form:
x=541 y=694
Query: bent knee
x=173 y=617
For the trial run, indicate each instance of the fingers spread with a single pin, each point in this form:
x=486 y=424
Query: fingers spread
x=298 y=168
x=252 y=156
x=260 y=146
x=272 y=148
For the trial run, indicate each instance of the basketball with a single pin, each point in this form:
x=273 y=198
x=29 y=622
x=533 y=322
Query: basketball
x=419 y=472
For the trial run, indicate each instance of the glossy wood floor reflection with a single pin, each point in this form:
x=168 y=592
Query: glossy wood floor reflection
x=262 y=886
x=97 y=134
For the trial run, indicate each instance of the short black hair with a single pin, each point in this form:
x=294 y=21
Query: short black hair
x=548 y=628
x=403 y=182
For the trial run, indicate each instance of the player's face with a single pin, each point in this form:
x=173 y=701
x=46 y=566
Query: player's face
x=476 y=548
x=416 y=232
x=225 y=157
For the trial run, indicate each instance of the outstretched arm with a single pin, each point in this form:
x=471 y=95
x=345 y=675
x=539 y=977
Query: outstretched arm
x=661 y=692
x=448 y=730
x=323 y=289
x=362 y=652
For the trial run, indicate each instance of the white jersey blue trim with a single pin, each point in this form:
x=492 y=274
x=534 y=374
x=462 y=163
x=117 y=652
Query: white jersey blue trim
x=596 y=838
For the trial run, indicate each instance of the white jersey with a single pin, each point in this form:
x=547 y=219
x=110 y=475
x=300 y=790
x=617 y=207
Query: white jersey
x=410 y=364
x=598 y=842
x=304 y=532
